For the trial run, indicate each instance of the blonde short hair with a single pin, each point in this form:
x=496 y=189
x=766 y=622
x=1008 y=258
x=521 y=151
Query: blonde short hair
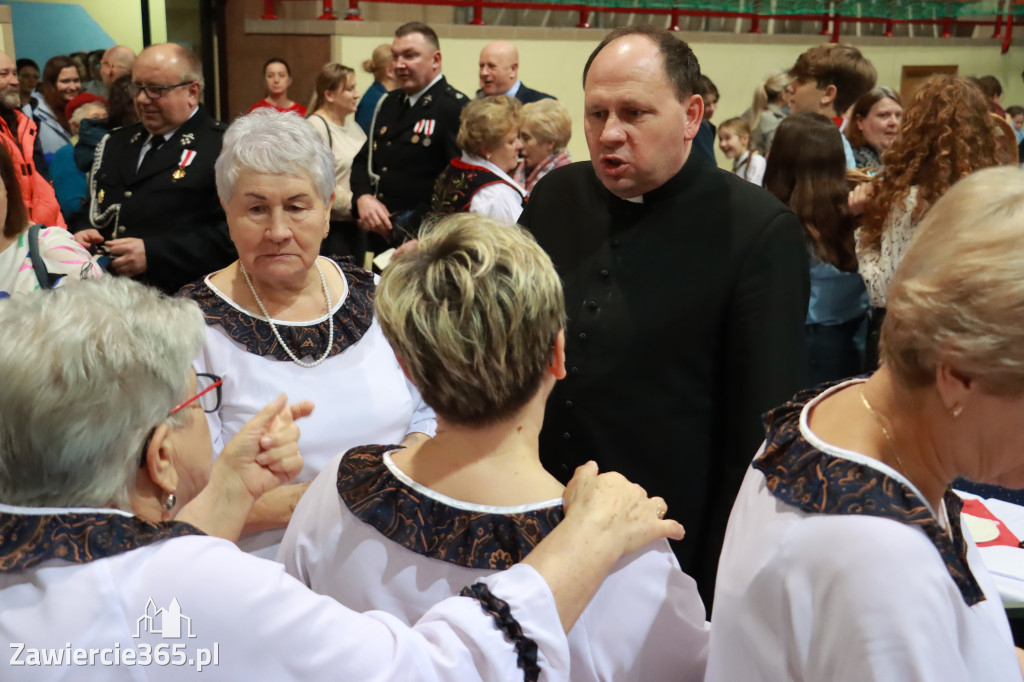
x=473 y=314
x=548 y=121
x=486 y=121
x=958 y=295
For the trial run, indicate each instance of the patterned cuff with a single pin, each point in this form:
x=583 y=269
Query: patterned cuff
x=506 y=622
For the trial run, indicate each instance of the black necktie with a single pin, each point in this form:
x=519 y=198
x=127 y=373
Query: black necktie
x=154 y=146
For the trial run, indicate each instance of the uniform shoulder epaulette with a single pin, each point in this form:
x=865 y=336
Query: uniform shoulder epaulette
x=218 y=125
x=128 y=130
x=450 y=90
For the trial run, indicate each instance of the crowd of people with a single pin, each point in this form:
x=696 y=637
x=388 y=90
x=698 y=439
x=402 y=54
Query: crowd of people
x=439 y=515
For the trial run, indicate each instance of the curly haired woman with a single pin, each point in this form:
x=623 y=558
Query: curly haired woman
x=946 y=134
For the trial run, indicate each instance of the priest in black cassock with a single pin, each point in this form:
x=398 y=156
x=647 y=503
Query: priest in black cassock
x=686 y=290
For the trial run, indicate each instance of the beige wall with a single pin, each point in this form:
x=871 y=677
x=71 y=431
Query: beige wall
x=122 y=19
x=736 y=63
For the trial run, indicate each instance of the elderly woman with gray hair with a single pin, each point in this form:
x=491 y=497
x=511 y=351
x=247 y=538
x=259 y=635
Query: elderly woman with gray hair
x=282 y=318
x=107 y=570
x=846 y=556
x=475 y=313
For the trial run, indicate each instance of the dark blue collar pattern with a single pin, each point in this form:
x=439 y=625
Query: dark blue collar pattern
x=431 y=528
x=815 y=482
x=79 y=537
x=352 y=319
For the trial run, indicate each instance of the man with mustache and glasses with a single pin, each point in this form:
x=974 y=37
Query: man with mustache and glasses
x=153 y=194
x=18 y=135
x=686 y=290
x=411 y=140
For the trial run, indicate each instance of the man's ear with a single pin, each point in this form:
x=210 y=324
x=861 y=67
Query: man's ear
x=828 y=99
x=693 y=107
x=160 y=459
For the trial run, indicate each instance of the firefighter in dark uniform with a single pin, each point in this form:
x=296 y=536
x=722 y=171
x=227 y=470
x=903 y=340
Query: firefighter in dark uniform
x=411 y=140
x=153 y=193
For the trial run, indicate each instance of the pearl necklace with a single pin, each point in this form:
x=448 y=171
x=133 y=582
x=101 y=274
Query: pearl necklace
x=885 y=432
x=273 y=327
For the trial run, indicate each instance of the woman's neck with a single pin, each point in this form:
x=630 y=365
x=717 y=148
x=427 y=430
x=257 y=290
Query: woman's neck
x=497 y=465
x=894 y=425
x=280 y=100
x=335 y=117
x=298 y=300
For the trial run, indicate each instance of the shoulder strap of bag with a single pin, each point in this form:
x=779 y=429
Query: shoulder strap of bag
x=330 y=138
x=38 y=266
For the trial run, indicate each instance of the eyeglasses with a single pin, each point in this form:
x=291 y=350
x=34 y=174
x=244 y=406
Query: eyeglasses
x=207 y=395
x=153 y=91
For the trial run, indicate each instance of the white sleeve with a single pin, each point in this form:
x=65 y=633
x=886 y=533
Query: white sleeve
x=498 y=201
x=757 y=166
x=275 y=628
x=646 y=622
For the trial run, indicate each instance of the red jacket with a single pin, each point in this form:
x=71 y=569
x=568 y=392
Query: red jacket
x=38 y=194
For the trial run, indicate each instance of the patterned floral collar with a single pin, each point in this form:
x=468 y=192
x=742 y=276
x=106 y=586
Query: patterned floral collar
x=27 y=540
x=815 y=482
x=351 y=319
x=472 y=539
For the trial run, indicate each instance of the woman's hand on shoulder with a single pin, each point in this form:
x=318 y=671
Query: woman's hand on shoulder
x=620 y=511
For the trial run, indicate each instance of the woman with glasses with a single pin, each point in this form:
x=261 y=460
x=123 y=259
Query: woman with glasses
x=282 y=318
x=126 y=572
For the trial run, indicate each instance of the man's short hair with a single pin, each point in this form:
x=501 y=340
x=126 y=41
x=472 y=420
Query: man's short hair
x=1015 y=111
x=23 y=62
x=840 y=65
x=419 y=27
x=681 y=66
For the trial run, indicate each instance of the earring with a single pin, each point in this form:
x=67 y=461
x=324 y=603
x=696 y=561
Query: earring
x=957 y=409
x=169 y=501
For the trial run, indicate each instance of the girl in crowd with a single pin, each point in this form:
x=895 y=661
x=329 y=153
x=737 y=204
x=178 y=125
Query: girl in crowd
x=946 y=133
x=734 y=141
x=380 y=65
x=545 y=135
x=278 y=78
x=335 y=102
x=874 y=126
x=768 y=110
x=807 y=171
x=60 y=84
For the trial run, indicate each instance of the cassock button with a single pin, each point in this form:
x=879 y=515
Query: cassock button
x=127 y=194
x=566 y=436
x=592 y=305
x=604 y=272
x=615 y=243
x=583 y=336
x=574 y=370
x=568 y=403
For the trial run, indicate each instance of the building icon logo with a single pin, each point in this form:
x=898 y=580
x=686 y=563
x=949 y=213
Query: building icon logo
x=164 y=622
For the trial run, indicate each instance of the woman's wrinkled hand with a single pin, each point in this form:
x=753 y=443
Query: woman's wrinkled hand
x=618 y=509
x=265 y=452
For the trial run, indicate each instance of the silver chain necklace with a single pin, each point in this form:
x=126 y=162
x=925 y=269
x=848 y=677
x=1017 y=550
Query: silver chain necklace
x=273 y=327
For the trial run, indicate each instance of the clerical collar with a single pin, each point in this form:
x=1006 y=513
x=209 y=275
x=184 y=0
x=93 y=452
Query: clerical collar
x=416 y=98
x=690 y=170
